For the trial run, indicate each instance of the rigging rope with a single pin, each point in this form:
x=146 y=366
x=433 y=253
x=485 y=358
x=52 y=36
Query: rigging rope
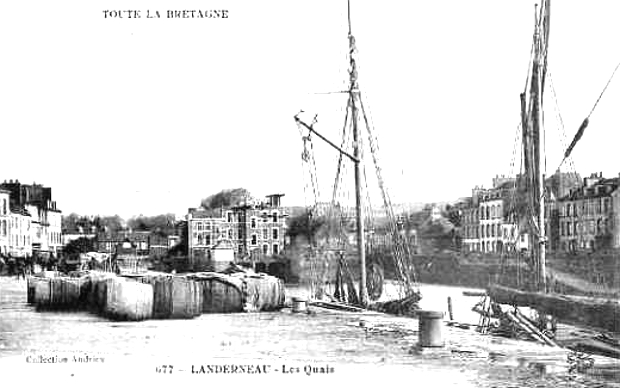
x=562 y=129
x=604 y=89
x=406 y=273
x=586 y=121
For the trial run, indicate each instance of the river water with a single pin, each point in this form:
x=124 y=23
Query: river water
x=304 y=349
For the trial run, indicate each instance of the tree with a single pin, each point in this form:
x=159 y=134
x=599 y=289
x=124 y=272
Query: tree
x=225 y=198
x=305 y=225
x=80 y=245
x=109 y=224
x=453 y=214
x=162 y=224
x=70 y=223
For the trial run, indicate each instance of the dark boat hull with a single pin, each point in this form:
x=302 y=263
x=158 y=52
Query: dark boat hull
x=592 y=312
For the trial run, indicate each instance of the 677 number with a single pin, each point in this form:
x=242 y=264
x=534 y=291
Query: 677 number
x=166 y=369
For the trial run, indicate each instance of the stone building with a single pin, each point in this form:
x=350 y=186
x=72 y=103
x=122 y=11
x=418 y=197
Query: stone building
x=256 y=229
x=20 y=233
x=588 y=215
x=492 y=223
x=35 y=222
x=5 y=221
x=470 y=228
x=487 y=225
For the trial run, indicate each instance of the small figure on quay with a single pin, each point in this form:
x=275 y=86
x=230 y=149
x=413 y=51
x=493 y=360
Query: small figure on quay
x=11 y=265
x=21 y=268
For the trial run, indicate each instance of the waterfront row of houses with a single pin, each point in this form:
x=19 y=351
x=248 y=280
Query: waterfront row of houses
x=580 y=215
x=30 y=222
x=254 y=230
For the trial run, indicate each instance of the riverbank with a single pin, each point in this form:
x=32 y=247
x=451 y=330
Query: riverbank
x=566 y=276
x=363 y=346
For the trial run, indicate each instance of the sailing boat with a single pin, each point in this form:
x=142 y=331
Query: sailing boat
x=592 y=312
x=355 y=119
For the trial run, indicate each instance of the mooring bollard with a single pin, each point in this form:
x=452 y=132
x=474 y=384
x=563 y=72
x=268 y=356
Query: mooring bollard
x=299 y=305
x=429 y=332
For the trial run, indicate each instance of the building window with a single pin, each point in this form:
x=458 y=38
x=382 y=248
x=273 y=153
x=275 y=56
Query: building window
x=254 y=239
x=265 y=234
x=208 y=239
x=229 y=216
x=275 y=216
x=230 y=234
x=275 y=234
x=253 y=222
x=275 y=248
x=265 y=249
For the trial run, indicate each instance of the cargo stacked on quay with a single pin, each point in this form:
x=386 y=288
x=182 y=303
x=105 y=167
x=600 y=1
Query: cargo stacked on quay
x=155 y=295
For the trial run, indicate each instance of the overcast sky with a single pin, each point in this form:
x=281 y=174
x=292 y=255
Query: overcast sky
x=148 y=116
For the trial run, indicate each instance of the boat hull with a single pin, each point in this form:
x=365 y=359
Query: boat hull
x=592 y=312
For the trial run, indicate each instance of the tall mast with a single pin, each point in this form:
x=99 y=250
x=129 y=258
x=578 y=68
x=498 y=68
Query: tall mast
x=542 y=46
x=359 y=209
x=538 y=72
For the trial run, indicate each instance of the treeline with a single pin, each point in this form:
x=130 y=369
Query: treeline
x=163 y=224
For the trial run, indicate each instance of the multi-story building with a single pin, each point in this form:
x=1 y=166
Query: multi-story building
x=487 y=226
x=5 y=221
x=256 y=229
x=46 y=228
x=20 y=233
x=205 y=227
x=491 y=219
x=588 y=215
x=139 y=241
x=490 y=224
x=35 y=225
x=470 y=224
x=615 y=218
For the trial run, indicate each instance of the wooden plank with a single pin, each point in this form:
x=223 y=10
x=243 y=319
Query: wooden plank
x=534 y=329
x=474 y=293
x=594 y=346
x=335 y=306
x=525 y=328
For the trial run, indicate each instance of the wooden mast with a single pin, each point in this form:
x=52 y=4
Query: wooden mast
x=357 y=145
x=356 y=158
x=539 y=73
